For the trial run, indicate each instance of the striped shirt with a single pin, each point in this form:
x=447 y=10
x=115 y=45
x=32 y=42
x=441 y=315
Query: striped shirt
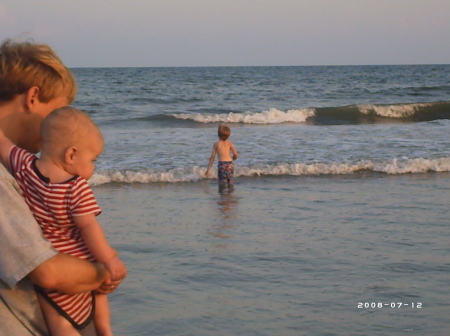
x=54 y=205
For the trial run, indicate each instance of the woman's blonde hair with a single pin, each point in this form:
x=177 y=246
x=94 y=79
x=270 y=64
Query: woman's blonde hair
x=26 y=64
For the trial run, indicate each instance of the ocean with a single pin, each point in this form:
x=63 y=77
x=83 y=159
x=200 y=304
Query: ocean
x=337 y=224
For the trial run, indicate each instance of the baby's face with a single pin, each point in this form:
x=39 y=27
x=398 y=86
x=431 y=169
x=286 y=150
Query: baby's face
x=88 y=152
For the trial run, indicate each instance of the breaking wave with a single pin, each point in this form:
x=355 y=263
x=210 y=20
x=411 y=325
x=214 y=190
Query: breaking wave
x=351 y=114
x=272 y=116
x=395 y=166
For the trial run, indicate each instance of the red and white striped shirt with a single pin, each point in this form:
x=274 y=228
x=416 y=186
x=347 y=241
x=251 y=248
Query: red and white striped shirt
x=54 y=205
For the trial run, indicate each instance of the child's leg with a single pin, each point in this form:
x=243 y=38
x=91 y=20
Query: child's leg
x=231 y=175
x=227 y=173
x=102 y=317
x=57 y=325
x=222 y=176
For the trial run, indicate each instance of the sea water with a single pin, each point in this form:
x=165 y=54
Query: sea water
x=337 y=224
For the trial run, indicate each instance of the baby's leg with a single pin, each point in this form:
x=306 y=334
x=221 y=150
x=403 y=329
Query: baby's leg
x=102 y=317
x=57 y=325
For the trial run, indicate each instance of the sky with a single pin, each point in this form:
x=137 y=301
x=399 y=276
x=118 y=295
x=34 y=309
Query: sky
x=155 y=33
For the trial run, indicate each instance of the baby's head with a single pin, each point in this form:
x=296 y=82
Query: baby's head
x=223 y=132
x=72 y=139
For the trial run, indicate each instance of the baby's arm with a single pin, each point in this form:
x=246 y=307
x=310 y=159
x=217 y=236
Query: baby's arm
x=94 y=237
x=5 y=147
x=211 y=159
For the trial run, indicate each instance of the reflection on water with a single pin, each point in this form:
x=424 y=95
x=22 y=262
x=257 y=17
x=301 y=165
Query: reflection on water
x=227 y=205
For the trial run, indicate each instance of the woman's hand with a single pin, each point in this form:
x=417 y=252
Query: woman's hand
x=109 y=286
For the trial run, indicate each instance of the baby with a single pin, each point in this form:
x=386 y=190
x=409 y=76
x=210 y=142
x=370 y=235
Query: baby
x=56 y=190
x=223 y=147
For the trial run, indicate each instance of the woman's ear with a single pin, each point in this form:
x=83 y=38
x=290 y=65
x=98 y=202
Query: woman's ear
x=32 y=98
x=70 y=154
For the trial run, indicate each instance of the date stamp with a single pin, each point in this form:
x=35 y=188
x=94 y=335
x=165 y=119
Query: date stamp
x=391 y=305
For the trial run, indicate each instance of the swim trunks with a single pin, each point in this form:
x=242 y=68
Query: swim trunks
x=225 y=172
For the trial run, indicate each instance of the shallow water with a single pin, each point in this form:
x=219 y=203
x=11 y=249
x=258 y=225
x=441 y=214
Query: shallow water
x=282 y=256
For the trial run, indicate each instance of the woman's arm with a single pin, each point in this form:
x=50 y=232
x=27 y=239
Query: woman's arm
x=25 y=252
x=69 y=274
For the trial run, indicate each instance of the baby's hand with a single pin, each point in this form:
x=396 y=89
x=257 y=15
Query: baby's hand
x=117 y=268
x=207 y=173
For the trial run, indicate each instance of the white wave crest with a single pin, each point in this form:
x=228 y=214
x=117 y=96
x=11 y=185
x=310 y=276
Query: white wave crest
x=272 y=116
x=297 y=169
x=411 y=166
x=392 y=111
x=175 y=175
x=395 y=166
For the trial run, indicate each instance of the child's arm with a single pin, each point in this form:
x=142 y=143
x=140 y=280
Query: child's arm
x=94 y=237
x=5 y=147
x=211 y=159
x=234 y=151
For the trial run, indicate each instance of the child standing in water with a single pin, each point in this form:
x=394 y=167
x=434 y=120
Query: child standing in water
x=223 y=148
x=55 y=188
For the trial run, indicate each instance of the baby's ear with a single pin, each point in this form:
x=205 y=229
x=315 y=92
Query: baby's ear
x=70 y=154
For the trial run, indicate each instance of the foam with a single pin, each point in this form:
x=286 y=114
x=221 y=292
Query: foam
x=392 y=167
x=392 y=111
x=272 y=116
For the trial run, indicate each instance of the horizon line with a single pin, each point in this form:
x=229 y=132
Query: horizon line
x=259 y=66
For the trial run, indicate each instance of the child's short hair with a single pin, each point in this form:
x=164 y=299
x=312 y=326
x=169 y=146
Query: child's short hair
x=26 y=64
x=223 y=132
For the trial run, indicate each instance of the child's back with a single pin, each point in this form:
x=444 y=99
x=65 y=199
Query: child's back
x=224 y=148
